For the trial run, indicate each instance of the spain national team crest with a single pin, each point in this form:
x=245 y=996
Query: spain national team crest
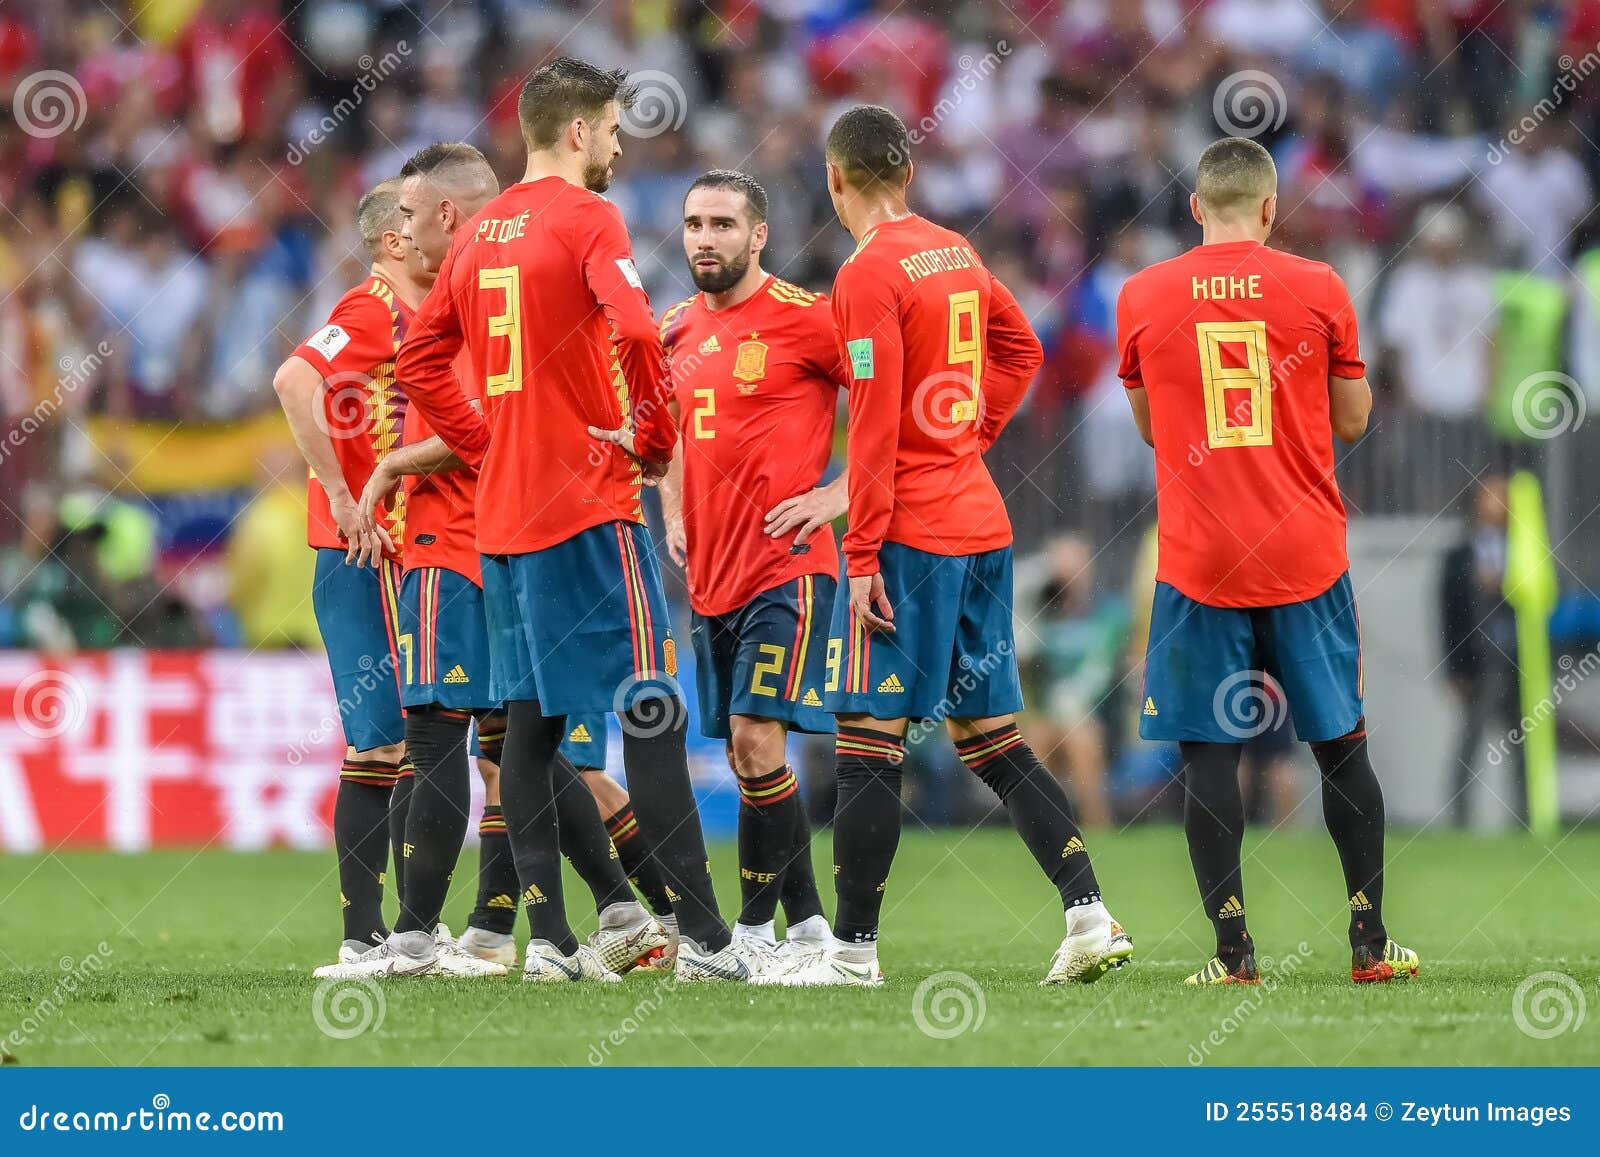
x=750 y=363
x=669 y=656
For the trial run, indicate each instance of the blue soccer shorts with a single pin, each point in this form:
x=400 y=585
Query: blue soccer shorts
x=767 y=658
x=952 y=654
x=358 y=610
x=444 y=641
x=1228 y=674
x=581 y=626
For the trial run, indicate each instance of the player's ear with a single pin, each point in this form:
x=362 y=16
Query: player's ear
x=835 y=179
x=1269 y=212
x=1194 y=210
x=911 y=171
x=758 y=237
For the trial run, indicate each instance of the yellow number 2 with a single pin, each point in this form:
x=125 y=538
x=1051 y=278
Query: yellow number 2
x=966 y=349
x=506 y=324
x=1233 y=391
x=771 y=664
x=706 y=407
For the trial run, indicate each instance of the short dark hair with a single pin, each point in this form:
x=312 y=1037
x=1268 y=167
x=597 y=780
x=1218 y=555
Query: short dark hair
x=754 y=195
x=872 y=146
x=1234 y=173
x=429 y=159
x=456 y=166
x=557 y=93
x=378 y=212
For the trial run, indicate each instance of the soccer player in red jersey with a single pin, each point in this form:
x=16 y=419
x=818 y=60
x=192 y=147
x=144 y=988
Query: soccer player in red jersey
x=755 y=372
x=337 y=390
x=940 y=357
x=1242 y=364
x=444 y=645
x=541 y=289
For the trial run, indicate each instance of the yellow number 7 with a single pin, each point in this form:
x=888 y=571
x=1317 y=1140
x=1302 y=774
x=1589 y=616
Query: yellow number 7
x=506 y=324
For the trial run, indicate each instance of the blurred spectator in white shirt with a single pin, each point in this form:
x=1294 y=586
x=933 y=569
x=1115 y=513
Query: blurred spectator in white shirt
x=1437 y=315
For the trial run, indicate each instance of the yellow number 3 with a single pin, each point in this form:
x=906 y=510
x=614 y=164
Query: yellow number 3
x=1235 y=392
x=506 y=324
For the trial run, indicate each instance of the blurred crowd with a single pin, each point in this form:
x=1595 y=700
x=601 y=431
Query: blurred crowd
x=178 y=177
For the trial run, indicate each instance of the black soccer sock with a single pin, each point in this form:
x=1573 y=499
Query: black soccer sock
x=496 y=909
x=527 y=796
x=653 y=752
x=399 y=803
x=1213 y=820
x=1352 y=806
x=491 y=736
x=798 y=891
x=584 y=840
x=436 y=823
x=361 y=840
x=633 y=846
x=766 y=841
x=866 y=827
x=1038 y=807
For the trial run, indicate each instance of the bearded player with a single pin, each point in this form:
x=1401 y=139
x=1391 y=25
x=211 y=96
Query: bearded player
x=940 y=357
x=541 y=290
x=1251 y=355
x=338 y=393
x=755 y=373
x=445 y=650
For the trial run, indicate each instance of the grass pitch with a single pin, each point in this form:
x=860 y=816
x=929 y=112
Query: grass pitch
x=207 y=961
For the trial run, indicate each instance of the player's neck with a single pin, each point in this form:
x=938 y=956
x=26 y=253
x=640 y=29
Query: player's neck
x=868 y=213
x=1230 y=233
x=404 y=285
x=544 y=164
x=741 y=292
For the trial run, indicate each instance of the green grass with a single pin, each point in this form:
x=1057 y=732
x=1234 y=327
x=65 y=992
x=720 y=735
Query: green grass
x=210 y=957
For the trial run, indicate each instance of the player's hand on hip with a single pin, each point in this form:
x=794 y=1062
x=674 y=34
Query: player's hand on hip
x=869 y=602
x=623 y=436
x=804 y=514
x=678 y=542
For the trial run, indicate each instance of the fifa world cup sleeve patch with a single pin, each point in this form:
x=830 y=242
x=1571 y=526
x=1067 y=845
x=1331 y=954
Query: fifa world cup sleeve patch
x=860 y=357
x=629 y=273
x=329 y=340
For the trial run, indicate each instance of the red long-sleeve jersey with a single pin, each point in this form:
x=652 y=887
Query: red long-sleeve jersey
x=441 y=524
x=940 y=356
x=540 y=287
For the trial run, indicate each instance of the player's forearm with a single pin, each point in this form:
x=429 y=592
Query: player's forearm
x=1349 y=408
x=671 y=488
x=871 y=503
x=431 y=456
x=299 y=389
x=431 y=386
x=655 y=432
x=839 y=489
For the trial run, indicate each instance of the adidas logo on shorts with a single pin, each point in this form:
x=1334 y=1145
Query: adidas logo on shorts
x=580 y=734
x=1231 y=909
x=1150 y=706
x=812 y=699
x=456 y=674
x=891 y=685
